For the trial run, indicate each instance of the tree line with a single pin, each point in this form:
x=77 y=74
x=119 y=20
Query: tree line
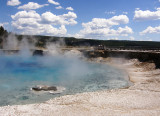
x=41 y=41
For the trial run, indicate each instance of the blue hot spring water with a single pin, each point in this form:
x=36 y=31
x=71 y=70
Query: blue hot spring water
x=18 y=74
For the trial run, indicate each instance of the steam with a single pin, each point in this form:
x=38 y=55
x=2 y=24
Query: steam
x=53 y=49
x=11 y=42
x=24 y=47
x=72 y=62
x=58 y=67
x=74 y=66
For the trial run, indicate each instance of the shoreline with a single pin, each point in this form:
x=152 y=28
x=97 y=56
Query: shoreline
x=141 y=98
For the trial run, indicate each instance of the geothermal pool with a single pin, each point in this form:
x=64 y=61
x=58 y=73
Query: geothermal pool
x=19 y=73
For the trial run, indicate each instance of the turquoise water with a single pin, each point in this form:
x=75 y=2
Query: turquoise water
x=18 y=74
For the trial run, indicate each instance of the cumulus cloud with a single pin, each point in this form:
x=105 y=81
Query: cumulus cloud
x=59 y=7
x=13 y=2
x=124 y=31
x=69 y=8
x=49 y=17
x=53 y=2
x=31 y=5
x=150 y=30
x=106 y=23
x=65 y=19
x=25 y=14
x=147 y=15
x=100 y=27
x=30 y=22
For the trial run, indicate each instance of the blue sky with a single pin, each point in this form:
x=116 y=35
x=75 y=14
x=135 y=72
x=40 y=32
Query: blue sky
x=97 y=19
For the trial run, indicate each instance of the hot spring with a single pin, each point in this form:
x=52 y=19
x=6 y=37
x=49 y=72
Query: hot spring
x=18 y=73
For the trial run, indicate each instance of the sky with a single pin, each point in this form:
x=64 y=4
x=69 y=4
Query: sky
x=94 y=19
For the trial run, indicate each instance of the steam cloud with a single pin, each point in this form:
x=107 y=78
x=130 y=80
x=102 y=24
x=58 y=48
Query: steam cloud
x=58 y=67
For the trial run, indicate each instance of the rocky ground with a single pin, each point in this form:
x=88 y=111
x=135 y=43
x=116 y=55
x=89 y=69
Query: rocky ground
x=141 y=99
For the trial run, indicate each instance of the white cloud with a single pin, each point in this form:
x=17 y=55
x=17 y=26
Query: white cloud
x=106 y=23
x=111 y=12
x=113 y=38
x=3 y=24
x=31 y=5
x=100 y=27
x=13 y=2
x=25 y=14
x=158 y=8
x=65 y=19
x=150 y=30
x=24 y=20
x=53 y=2
x=69 y=15
x=137 y=8
x=30 y=22
x=124 y=31
x=59 y=7
x=69 y=8
x=132 y=38
x=50 y=18
x=125 y=13
x=147 y=15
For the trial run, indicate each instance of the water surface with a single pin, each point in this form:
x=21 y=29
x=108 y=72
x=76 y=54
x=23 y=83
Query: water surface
x=18 y=74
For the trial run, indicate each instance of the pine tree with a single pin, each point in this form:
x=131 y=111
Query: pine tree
x=2 y=31
x=3 y=36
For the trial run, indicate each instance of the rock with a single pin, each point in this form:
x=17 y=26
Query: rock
x=151 y=57
x=38 y=53
x=44 y=88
